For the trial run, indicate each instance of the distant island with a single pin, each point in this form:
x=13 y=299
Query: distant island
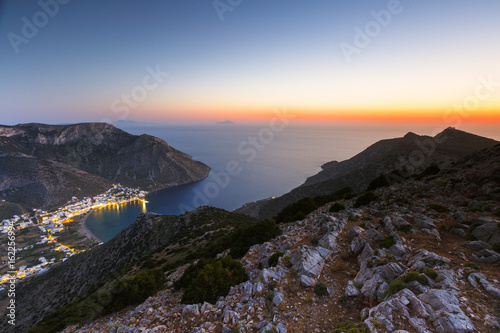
x=226 y=122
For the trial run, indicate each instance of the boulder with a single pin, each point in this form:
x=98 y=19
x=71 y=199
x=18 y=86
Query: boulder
x=307 y=281
x=374 y=235
x=478 y=245
x=491 y=289
x=489 y=232
x=308 y=260
x=447 y=316
x=486 y=256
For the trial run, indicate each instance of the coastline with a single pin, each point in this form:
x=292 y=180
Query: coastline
x=85 y=230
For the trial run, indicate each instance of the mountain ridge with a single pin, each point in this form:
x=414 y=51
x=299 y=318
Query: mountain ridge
x=409 y=154
x=98 y=152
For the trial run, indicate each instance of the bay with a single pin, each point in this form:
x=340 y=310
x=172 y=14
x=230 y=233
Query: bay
x=270 y=162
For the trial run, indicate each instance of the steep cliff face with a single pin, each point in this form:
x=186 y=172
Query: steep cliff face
x=410 y=154
x=47 y=164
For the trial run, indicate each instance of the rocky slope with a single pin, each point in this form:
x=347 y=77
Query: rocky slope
x=45 y=165
x=420 y=258
x=410 y=154
x=152 y=238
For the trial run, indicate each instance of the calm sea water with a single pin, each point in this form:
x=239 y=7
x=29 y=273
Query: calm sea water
x=265 y=161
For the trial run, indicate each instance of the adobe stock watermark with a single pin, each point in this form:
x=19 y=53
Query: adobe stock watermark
x=30 y=27
x=11 y=284
x=138 y=93
x=372 y=29
x=250 y=149
x=223 y=6
x=416 y=160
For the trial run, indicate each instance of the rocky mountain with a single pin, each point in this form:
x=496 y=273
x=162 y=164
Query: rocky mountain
x=409 y=155
x=421 y=256
x=45 y=165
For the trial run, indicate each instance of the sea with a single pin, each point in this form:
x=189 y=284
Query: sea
x=252 y=161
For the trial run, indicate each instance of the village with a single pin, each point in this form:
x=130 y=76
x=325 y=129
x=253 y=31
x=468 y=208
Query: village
x=48 y=225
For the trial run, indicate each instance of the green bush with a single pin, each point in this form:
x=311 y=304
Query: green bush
x=336 y=207
x=273 y=260
x=394 y=287
x=430 y=272
x=296 y=211
x=387 y=242
x=473 y=266
x=358 y=285
x=365 y=199
x=270 y=296
x=320 y=288
x=496 y=247
x=241 y=239
x=349 y=327
x=415 y=276
x=209 y=279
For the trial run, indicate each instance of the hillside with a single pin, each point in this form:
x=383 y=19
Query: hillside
x=410 y=154
x=422 y=257
x=151 y=241
x=45 y=165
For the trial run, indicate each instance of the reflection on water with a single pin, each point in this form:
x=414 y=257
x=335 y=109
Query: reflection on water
x=107 y=222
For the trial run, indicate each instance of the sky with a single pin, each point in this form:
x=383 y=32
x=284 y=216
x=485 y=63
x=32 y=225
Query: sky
x=191 y=60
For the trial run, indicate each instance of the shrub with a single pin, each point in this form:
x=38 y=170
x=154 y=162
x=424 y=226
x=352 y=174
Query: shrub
x=336 y=207
x=365 y=199
x=472 y=265
x=342 y=298
x=394 y=287
x=320 y=288
x=271 y=331
x=369 y=263
x=415 y=276
x=209 y=279
x=387 y=242
x=438 y=208
x=496 y=247
x=349 y=327
x=296 y=211
x=358 y=285
x=430 y=272
x=314 y=241
x=270 y=296
x=273 y=260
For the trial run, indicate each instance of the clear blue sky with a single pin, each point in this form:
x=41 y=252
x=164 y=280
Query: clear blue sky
x=264 y=54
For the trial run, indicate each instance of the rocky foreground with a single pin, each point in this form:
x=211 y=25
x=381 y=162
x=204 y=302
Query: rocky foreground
x=418 y=259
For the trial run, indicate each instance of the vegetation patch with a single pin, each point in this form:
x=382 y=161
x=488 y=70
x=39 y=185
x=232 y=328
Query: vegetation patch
x=365 y=199
x=415 y=276
x=472 y=265
x=320 y=288
x=394 y=287
x=209 y=279
x=430 y=272
x=336 y=207
x=387 y=242
x=273 y=260
x=349 y=327
x=438 y=208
